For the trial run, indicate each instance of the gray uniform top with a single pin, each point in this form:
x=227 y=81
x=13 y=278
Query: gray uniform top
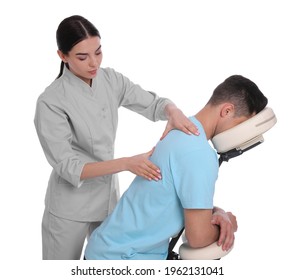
x=77 y=124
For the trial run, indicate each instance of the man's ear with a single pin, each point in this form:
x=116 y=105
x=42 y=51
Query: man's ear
x=62 y=56
x=227 y=110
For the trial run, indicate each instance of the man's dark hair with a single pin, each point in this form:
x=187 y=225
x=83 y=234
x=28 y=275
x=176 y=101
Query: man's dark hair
x=242 y=93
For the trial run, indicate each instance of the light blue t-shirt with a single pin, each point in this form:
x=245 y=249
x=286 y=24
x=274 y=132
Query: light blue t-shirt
x=151 y=212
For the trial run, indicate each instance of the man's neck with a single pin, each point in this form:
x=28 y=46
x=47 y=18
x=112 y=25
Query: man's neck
x=208 y=117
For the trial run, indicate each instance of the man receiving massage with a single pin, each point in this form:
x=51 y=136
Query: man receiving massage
x=151 y=212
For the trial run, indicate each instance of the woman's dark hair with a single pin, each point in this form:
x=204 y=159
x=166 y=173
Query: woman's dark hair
x=242 y=92
x=70 y=32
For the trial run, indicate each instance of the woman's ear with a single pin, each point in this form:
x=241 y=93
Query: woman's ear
x=62 y=56
x=227 y=110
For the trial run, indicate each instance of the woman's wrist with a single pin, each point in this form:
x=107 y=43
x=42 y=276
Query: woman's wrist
x=169 y=109
x=123 y=164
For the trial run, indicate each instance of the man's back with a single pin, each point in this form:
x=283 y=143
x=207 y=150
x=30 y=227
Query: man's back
x=150 y=212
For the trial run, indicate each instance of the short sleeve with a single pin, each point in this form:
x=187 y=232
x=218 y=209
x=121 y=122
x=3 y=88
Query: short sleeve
x=194 y=175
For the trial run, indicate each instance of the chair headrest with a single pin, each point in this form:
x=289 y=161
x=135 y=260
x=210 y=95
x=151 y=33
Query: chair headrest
x=246 y=133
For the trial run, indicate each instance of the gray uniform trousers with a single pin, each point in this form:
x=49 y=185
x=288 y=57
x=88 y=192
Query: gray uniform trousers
x=64 y=239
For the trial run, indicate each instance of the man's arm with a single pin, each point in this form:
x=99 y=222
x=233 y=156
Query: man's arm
x=205 y=226
x=199 y=230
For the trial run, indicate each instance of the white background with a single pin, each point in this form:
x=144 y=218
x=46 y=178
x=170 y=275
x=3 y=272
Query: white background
x=182 y=50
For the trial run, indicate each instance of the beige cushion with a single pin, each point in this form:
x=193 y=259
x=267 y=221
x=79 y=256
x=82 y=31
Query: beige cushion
x=246 y=133
x=211 y=252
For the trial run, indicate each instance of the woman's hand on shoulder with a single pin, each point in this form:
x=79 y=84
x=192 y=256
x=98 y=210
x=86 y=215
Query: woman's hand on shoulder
x=177 y=120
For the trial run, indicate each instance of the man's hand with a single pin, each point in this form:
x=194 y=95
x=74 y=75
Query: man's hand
x=228 y=226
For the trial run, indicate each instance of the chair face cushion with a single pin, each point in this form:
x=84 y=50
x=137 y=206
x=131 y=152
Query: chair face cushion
x=250 y=130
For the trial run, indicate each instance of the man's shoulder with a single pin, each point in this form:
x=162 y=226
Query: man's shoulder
x=181 y=140
x=190 y=148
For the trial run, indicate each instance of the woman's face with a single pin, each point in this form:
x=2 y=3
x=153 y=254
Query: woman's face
x=84 y=58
